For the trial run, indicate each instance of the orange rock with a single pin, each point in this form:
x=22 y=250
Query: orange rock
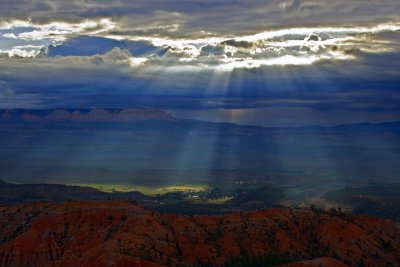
x=122 y=233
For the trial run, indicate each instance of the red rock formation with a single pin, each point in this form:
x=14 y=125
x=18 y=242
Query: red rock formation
x=319 y=262
x=95 y=115
x=30 y=117
x=92 y=115
x=121 y=233
x=6 y=115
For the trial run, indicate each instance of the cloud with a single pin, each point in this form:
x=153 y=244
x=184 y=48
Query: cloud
x=291 y=46
x=92 y=45
x=18 y=37
x=199 y=17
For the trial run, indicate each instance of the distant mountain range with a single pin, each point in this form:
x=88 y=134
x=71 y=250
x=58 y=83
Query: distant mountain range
x=83 y=115
x=151 y=147
x=122 y=233
x=142 y=114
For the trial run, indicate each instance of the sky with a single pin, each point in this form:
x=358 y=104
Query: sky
x=268 y=63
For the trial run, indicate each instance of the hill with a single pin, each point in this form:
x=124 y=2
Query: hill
x=122 y=233
x=21 y=193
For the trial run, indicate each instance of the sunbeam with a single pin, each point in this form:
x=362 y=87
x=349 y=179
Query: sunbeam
x=199 y=133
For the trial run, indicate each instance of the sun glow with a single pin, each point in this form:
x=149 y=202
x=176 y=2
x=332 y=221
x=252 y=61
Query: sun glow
x=136 y=61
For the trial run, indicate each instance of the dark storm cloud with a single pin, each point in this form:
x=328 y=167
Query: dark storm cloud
x=157 y=17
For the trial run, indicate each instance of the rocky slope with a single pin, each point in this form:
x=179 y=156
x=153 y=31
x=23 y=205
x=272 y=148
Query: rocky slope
x=121 y=233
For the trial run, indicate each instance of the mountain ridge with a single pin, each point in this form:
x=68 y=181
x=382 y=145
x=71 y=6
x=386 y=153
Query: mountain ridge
x=141 y=114
x=84 y=115
x=23 y=193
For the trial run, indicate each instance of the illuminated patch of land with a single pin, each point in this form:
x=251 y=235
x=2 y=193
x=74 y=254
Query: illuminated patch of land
x=305 y=196
x=146 y=190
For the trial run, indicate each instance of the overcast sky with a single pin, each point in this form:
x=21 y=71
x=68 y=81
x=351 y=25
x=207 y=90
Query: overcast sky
x=251 y=62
